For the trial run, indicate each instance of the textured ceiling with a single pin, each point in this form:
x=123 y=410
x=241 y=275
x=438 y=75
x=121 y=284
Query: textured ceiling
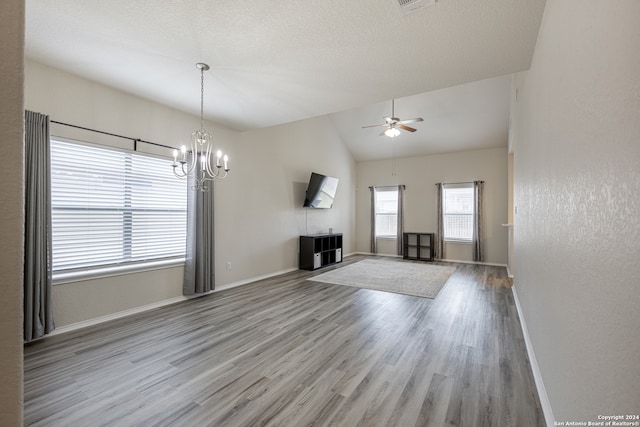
x=275 y=62
x=464 y=117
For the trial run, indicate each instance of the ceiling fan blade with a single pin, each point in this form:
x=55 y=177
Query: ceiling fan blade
x=417 y=119
x=407 y=128
x=374 y=126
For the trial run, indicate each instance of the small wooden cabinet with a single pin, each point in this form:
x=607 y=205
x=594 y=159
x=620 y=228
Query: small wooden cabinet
x=418 y=246
x=320 y=250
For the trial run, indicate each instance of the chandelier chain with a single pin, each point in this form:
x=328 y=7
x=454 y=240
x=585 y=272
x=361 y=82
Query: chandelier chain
x=201 y=98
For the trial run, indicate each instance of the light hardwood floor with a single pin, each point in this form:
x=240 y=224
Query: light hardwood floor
x=289 y=351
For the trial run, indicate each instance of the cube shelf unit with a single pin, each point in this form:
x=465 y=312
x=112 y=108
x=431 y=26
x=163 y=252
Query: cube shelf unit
x=320 y=250
x=418 y=246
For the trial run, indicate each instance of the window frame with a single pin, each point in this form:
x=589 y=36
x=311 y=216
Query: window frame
x=378 y=190
x=466 y=186
x=120 y=265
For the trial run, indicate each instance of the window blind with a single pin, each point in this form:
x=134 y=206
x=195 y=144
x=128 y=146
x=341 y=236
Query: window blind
x=113 y=207
x=386 y=212
x=458 y=213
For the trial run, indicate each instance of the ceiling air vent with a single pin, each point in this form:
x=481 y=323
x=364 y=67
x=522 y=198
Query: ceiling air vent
x=410 y=6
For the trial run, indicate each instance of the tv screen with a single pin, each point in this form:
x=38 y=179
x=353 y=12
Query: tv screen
x=321 y=191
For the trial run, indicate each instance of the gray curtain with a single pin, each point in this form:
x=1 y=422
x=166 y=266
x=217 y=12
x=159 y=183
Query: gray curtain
x=400 y=231
x=38 y=309
x=440 y=247
x=374 y=242
x=199 y=269
x=478 y=254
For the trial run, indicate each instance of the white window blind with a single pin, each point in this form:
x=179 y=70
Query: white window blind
x=458 y=212
x=113 y=207
x=386 y=212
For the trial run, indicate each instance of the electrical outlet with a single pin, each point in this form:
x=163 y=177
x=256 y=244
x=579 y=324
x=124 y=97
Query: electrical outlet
x=228 y=265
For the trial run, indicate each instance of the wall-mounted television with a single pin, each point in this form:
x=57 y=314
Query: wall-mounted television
x=321 y=191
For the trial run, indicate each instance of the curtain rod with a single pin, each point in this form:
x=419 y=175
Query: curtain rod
x=135 y=140
x=464 y=182
x=388 y=186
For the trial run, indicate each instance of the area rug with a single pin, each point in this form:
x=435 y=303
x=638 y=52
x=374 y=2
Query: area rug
x=409 y=278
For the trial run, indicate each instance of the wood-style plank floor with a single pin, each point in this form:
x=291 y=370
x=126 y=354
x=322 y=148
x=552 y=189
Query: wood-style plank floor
x=288 y=351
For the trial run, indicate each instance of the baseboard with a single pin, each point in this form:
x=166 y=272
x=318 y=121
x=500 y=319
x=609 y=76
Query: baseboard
x=163 y=303
x=372 y=254
x=537 y=376
x=253 y=279
x=117 y=315
x=461 y=261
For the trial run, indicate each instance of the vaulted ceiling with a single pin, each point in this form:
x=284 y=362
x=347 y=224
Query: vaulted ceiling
x=274 y=62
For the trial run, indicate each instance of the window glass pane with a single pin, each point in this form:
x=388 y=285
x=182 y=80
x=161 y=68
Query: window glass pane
x=458 y=213
x=387 y=202
x=111 y=207
x=386 y=212
x=386 y=225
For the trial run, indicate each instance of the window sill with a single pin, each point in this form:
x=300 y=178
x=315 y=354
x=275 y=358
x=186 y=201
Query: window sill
x=461 y=242
x=99 y=273
x=385 y=237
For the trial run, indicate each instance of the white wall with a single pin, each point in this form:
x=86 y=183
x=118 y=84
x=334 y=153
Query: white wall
x=258 y=214
x=420 y=174
x=11 y=210
x=577 y=227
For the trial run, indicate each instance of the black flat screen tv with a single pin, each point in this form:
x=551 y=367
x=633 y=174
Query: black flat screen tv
x=321 y=191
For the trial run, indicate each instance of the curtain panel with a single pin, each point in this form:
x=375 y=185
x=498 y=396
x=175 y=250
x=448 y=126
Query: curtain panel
x=374 y=243
x=478 y=217
x=199 y=269
x=38 y=308
x=400 y=231
x=440 y=246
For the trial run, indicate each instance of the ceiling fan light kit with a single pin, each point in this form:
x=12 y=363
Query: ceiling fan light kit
x=391 y=132
x=393 y=124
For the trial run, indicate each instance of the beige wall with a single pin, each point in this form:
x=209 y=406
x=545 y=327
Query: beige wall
x=577 y=227
x=258 y=211
x=70 y=99
x=260 y=215
x=419 y=174
x=11 y=210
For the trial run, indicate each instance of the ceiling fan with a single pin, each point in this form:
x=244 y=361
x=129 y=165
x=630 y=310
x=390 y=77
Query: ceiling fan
x=393 y=124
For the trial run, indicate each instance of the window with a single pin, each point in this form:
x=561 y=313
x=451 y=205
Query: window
x=386 y=212
x=111 y=207
x=458 y=212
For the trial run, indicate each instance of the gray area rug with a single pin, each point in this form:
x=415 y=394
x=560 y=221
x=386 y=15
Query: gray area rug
x=418 y=279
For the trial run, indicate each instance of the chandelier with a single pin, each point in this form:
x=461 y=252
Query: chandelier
x=198 y=160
